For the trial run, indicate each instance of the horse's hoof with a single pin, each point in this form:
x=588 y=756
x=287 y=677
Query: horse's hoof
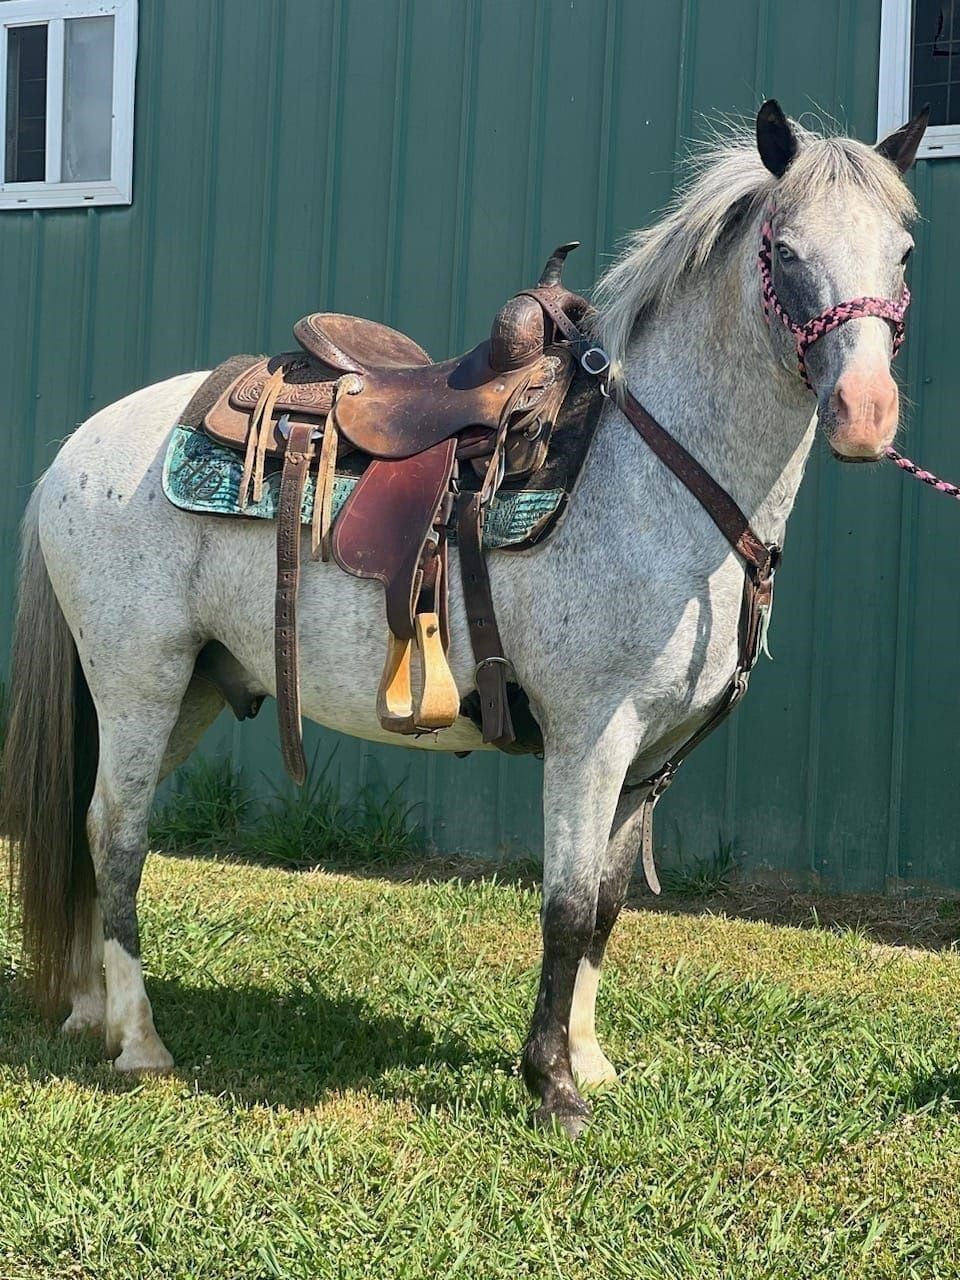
x=571 y=1123
x=144 y=1059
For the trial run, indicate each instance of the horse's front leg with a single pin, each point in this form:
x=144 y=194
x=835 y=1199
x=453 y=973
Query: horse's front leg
x=580 y=792
x=590 y=1064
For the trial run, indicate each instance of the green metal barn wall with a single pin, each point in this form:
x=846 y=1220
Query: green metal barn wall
x=414 y=160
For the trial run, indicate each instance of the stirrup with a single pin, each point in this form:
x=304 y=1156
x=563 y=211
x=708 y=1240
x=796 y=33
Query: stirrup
x=395 y=695
x=439 y=703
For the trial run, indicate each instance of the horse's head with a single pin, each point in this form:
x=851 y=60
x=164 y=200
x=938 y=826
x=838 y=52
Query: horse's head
x=833 y=250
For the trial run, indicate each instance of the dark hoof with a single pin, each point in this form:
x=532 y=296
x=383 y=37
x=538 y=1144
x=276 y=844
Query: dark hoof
x=572 y=1123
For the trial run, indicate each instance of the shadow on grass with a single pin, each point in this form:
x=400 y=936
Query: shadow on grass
x=936 y=1089
x=261 y=1048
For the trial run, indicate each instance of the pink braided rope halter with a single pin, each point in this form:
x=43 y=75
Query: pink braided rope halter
x=805 y=335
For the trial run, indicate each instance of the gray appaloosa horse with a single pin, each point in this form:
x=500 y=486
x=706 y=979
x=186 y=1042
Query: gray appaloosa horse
x=622 y=629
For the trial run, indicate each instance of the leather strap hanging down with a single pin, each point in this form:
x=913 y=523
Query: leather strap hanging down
x=492 y=666
x=258 y=437
x=296 y=465
x=490 y=673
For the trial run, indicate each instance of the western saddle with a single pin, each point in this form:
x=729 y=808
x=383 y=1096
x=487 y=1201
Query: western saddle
x=433 y=443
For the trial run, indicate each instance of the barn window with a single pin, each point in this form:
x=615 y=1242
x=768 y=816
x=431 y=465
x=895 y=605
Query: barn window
x=920 y=64
x=66 y=102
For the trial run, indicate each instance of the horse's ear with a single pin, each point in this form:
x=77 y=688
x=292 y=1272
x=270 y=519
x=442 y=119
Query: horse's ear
x=776 y=141
x=900 y=148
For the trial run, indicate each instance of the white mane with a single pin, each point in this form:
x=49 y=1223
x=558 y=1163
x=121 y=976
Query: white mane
x=725 y=192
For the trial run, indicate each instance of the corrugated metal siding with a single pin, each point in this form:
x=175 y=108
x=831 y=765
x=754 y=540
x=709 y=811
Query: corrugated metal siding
x=414 y=160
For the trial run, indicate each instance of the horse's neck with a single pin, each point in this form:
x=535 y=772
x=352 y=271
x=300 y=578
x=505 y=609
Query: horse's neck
x=703 y=367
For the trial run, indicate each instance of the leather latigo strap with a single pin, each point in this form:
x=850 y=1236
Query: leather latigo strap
x=296 y=465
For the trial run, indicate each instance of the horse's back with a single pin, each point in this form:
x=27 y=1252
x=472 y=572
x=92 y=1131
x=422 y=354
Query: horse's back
x=105 y=529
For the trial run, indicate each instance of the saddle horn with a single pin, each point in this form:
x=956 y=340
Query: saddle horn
x=517 y=335
x=554 y=269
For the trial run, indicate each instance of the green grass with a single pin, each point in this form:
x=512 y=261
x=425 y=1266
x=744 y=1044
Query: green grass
x=312 y=825
x=699 y=877
x=206 y=812
x=213 y=811
x=347 y=1103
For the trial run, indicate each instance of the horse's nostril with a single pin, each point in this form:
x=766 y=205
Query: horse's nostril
x=866 y=398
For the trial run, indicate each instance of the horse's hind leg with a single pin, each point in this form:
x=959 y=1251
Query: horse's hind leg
x=133 y=742
x=200 y=706
x=590 y=1064
x=579 y=802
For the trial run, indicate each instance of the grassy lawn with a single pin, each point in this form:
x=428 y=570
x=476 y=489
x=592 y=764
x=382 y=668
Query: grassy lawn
x=347 y=1102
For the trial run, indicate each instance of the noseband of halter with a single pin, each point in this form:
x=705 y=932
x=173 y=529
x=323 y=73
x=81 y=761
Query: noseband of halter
x=805 y=335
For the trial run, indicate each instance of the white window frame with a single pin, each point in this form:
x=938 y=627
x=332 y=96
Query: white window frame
x=896 y=21
x=51 y=193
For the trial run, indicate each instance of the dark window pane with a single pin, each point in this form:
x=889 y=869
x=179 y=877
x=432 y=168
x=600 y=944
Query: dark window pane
x=26 y=149
x=935 y=64
x=931 y=64
x=936 y=95
x=932 y=21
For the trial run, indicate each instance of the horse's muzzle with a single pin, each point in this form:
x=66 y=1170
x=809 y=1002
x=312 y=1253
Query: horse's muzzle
x=861 y=414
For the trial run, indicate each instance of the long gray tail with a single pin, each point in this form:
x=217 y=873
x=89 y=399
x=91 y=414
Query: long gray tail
x=49 y=769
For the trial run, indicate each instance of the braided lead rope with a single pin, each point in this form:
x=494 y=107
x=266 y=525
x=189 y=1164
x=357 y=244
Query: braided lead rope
x=927 y=477
x=805 y=335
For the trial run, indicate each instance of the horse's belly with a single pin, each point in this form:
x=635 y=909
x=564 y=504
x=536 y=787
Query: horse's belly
x=342 y=632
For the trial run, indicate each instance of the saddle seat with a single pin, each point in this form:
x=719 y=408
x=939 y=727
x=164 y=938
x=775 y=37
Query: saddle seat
x=361 y=387
x=351 y=344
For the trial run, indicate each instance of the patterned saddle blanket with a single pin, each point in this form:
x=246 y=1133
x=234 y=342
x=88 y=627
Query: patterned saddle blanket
x=203 y=476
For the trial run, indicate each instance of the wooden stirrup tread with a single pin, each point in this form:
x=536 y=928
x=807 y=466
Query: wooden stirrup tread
x=440 y=701
x=395 y=695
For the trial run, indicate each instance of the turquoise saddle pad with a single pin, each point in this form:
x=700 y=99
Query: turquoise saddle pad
x=203 y=476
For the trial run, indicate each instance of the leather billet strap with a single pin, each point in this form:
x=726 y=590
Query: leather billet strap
x=492 y=666
x=296 y=465
x=490 y=674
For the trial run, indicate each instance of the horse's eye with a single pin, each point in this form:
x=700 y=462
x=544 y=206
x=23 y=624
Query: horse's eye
x=903 y=260
x=784 y=252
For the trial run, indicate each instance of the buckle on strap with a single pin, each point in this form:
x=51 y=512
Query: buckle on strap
x=660 y=781
x=595 y=361
x=503 y=662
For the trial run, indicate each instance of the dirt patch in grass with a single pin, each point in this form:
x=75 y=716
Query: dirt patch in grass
x=932 y=924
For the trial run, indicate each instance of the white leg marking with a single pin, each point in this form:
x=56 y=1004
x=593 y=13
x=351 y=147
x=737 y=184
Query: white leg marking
x=590 y=1064
x=88 y=996
x=130 y=1031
